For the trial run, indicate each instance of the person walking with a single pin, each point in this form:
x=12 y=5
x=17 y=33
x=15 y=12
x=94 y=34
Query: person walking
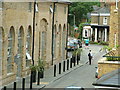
x=90 y=56
x=86 y=42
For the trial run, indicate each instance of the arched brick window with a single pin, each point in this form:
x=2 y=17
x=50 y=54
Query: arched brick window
x=63 y=41
x=43 y=24
x=19 y=56
x=60 y=31
x=28 y=47
x=54 y=41
x=1 y=49
x=10 y=50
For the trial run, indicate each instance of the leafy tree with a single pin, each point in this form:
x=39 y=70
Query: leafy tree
x=80 y=10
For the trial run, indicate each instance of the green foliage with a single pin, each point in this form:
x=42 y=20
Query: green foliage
x=91 y=42
x=79 y=50
x=33 y=67
x=103 y=43
x=80 y=9
x=74 y=52
x=41 y=65
x=107 y=47
x=117 y=46
x=113 y=59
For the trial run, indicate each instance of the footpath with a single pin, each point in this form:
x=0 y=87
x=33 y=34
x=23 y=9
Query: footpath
x=49 y=73
x=48 y=77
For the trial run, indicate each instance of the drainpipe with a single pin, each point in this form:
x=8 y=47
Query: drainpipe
x=53 y=31
x=33 y=32
x=67 y=34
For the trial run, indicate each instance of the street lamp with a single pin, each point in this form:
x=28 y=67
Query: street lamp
x=73 y=18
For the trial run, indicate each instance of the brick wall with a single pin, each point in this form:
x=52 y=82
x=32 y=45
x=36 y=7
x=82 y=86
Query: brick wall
x=114 y=26
x=119 y=28
x=105 y=67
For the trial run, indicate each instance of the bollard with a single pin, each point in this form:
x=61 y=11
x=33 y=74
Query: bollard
x=31 y=81
x=4 y=88
x=63 y=66
x=71 y=63
x=74 y=62
x=68 y=64
x=77 y=62
x=38 y=83
x=14 y=86
x=23 y=84
x=59 y=68
x=54 y=70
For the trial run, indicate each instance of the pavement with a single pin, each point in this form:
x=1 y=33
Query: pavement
x=49 y=75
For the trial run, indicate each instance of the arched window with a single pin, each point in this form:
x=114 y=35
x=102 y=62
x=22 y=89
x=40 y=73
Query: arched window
x=10 y=50
x=18 y=58
x=28 y=47
x=1 y=49
x=54 y=41
x=59 y=55
x=63 y=41
x=43 y=45
x=43 y=24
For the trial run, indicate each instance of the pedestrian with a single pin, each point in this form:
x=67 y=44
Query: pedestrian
x=86 y=42
x=90 y=56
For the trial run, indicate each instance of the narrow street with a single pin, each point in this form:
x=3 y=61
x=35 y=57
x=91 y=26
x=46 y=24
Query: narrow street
x=83 y=76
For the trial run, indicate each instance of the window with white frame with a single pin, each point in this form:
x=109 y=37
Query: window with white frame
x=104 y=20
x=10 y=51
x=28 y=48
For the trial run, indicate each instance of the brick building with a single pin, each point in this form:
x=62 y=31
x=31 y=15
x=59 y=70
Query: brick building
x=100 y=19
x=16 y=36
x=100 y=24
x=115 y=27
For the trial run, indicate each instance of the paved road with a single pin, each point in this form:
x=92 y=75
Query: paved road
x=83 y=76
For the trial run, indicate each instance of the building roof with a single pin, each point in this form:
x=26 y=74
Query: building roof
x=109 y=80
x=101 y=10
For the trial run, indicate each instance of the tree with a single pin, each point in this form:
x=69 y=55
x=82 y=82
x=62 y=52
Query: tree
x=80 y=10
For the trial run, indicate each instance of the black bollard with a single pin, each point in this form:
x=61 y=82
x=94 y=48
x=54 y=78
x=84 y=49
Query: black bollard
x=4 y=87
x=71 y=63
x=14 y=86
x=38 y=83
x=77 y=62
x=54 y=70
x=59 y=68
x=31 y=81
x=23 y=84
x=68 y=64
x=74 y=61
x=63 y=66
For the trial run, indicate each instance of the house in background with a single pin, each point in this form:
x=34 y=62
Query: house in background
x=16 y=36
x=100 y=19
x=100 y=24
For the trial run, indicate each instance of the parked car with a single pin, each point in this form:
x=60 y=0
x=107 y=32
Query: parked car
x=73 y=88
x=71 y=46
